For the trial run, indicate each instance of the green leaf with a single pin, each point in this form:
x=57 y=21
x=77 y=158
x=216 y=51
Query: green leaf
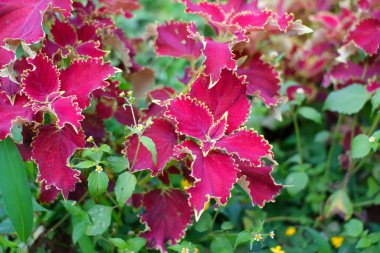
x=310 y=114
x=85 y=164
x=119 y=243
x=136 y=244
x=93 y=153
x=149 y=144
x=348 y=100
x=227 y=225
x=86 y=245
x=204 y=223
x=242 y=237
x=323 y=244
x=101 y=219
x=105 y=148
x=125 y=185
x=221 y=245
x=296 y=182
x=360 y=146
x=339 y=203
x=375 y=100
x=118 y=164
x=363 y=243
x=97 y=183
x=353 y=228
x=15 y=189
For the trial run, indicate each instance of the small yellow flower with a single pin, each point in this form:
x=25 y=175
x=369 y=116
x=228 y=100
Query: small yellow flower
x=290 y=231
x=258 y=237
x=337 y=241
x=185 y=250
x=271 y=234
x=185 y=184
x=98 y=168
x=122 y=94
x=277 y=249
x=90 y=139
x=140 y=127
x=196 y=250
x=371 y=139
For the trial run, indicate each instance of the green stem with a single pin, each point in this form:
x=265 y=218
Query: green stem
x=332 y=147
x=298 y=136
x=374 y=124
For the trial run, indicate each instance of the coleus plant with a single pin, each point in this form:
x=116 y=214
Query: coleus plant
x=53 y=57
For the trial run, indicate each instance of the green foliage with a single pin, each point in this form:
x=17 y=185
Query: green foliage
x=15 y=191
x=125 y=185
x=348 y=100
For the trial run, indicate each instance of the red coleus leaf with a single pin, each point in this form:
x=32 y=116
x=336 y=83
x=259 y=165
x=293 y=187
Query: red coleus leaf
x=214 y=174
x=48 y=195
x=218 y=56
x=284 y=20
x=211 y=11
x=63 y=34
x=167 y=216
x=5 y=56
x=42 y=83
x=12 y=113
x=366 y=35
x=227 y=96
x=247 y=145
x=164 y=137
x=9 y=87
x=239 y=6
x=83 y=77
x=67 y=112
x=52 y=149
x=174 y=40
x=251 y=20
x=258 y=182
x=91 y=49
x=294 y=90
x=22 y=19
x=192 y=117
x=263 y=80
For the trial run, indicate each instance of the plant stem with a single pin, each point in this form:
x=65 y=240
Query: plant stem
x=332 y=147
x=374 y=124
x=298 y=137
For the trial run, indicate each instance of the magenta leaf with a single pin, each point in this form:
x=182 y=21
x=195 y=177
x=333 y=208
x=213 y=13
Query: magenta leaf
x=9 y=87
x=164 y=137
x=48 y=195
x=52 y=149
x=63 y=34
x=83 y=77
x=215 y=174
x=252 y=20
x=263 y=80
x=42 y=83
x=218 y=56
x=210 y=11
x=91 y=49
x=167 y=215
x=174 y=40
x=366 y=35
x=227 y=96
x=192 y=117
x=10 y=114
x=67 y=112
x=247 y=145
x=258 y=183
x=22 y=19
